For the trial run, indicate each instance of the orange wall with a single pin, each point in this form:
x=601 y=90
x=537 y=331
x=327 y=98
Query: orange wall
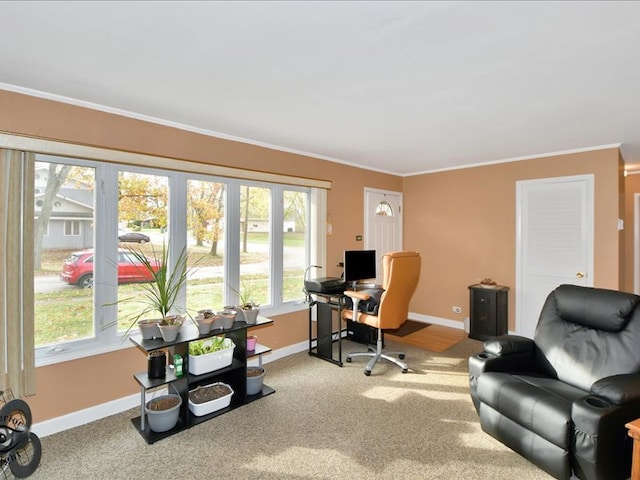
x=66 y=387
x=463 y=223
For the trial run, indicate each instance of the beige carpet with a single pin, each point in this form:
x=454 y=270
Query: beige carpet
x=323 y=422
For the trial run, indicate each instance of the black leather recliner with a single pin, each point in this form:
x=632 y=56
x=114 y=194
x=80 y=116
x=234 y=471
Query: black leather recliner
x=562 y=399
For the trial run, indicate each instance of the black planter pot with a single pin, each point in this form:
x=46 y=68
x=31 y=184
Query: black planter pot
x=157 y=364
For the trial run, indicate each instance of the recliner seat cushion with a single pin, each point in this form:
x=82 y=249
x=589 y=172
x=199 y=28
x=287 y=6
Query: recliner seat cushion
x=539 y=404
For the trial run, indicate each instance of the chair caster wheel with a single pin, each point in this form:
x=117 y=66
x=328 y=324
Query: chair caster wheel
x=348 y=360
x=401 y=356
x=404 y=370
x=367 y=373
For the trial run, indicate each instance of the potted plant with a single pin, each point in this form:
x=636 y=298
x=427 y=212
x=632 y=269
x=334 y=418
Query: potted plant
x=204 y=320
x=255 y=378
x=161 y=293
x=207 y=399
x=210 y=354
x=163 y=412
x=247 y=309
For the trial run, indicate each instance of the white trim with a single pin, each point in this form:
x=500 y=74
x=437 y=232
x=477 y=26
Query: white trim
x=40 y=145
x=318 y=226
x=636 y=243
x=445 y=322
x=517 y=159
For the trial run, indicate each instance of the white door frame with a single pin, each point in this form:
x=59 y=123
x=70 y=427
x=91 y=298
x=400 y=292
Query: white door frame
x=366 y=216
x=636 y=243
x=589 y=178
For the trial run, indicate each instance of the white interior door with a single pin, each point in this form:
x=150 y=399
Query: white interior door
x=554 y=241
x=383 y=224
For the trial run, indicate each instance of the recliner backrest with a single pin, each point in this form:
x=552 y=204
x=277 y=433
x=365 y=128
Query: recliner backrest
x=585 y=334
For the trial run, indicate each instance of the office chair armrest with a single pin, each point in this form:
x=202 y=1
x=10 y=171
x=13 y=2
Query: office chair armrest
x=357 y=295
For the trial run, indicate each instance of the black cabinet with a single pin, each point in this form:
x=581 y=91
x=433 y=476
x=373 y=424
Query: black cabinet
x=488 y=307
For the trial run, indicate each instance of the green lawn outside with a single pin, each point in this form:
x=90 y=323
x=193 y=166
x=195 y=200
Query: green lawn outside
x=59 y=313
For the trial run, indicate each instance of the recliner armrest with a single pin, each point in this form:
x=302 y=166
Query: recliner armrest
x=618 y=389
x=506 y=353
x=508 y=344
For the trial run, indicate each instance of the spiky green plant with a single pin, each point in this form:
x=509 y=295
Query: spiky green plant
x=161 y=293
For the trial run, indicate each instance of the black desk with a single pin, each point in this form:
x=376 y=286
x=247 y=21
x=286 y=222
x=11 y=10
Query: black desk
x=327 y=306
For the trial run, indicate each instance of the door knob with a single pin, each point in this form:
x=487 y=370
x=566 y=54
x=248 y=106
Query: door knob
x=580 y=275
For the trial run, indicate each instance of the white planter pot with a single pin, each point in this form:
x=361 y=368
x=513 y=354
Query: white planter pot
x=204 y=324
x=222 y=322
x=169 y=332
x=199 y=409
x=149 y=329
x=209 y=362
x=250 y=316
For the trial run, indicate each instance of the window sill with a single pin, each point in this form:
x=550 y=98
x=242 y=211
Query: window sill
x=67 y=353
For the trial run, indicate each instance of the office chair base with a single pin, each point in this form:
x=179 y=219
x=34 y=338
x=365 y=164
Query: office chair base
x=377 y=355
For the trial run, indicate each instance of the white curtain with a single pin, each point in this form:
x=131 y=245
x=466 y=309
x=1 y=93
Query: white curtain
x=17 y=352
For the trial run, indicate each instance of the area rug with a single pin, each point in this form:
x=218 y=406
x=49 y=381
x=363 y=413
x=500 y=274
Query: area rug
x=409 y=327
x=435 y=338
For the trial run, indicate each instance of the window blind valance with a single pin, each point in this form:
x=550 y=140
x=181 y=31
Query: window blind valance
x=53 y=147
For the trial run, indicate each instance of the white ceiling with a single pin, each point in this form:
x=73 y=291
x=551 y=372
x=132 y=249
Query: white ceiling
x=400 y=87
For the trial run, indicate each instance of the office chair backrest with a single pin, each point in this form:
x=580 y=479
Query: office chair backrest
x=401 y=275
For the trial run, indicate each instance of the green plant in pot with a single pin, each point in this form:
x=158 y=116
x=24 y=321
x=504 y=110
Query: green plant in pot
x=159 y=296
x=248 y=309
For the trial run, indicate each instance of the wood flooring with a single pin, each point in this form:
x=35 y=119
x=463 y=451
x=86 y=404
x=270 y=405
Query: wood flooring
x=435 y=338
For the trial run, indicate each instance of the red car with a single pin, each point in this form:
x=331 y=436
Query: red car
x=78 y=268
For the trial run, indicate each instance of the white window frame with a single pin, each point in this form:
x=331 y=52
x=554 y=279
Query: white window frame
x=105 y=261
x=72 y=223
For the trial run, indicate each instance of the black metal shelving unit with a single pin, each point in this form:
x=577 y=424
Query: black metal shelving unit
x=234 y=375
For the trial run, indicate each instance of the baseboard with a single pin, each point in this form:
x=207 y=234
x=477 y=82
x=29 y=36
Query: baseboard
x=81 y=417
x=445 y=322
x=75 y=419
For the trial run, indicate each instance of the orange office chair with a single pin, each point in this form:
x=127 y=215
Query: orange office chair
x=401 y=275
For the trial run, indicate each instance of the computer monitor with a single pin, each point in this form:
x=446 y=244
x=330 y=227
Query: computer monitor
x=359 y=265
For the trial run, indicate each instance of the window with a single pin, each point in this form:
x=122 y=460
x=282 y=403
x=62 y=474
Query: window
x=63 y=258
x=255 y=245
x=71 y=228
x=206 y=228
x=384 y=209
x=241 y=237
x=295 y=237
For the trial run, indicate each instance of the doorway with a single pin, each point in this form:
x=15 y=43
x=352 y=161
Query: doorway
x=554 y=241
x=382 y=224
